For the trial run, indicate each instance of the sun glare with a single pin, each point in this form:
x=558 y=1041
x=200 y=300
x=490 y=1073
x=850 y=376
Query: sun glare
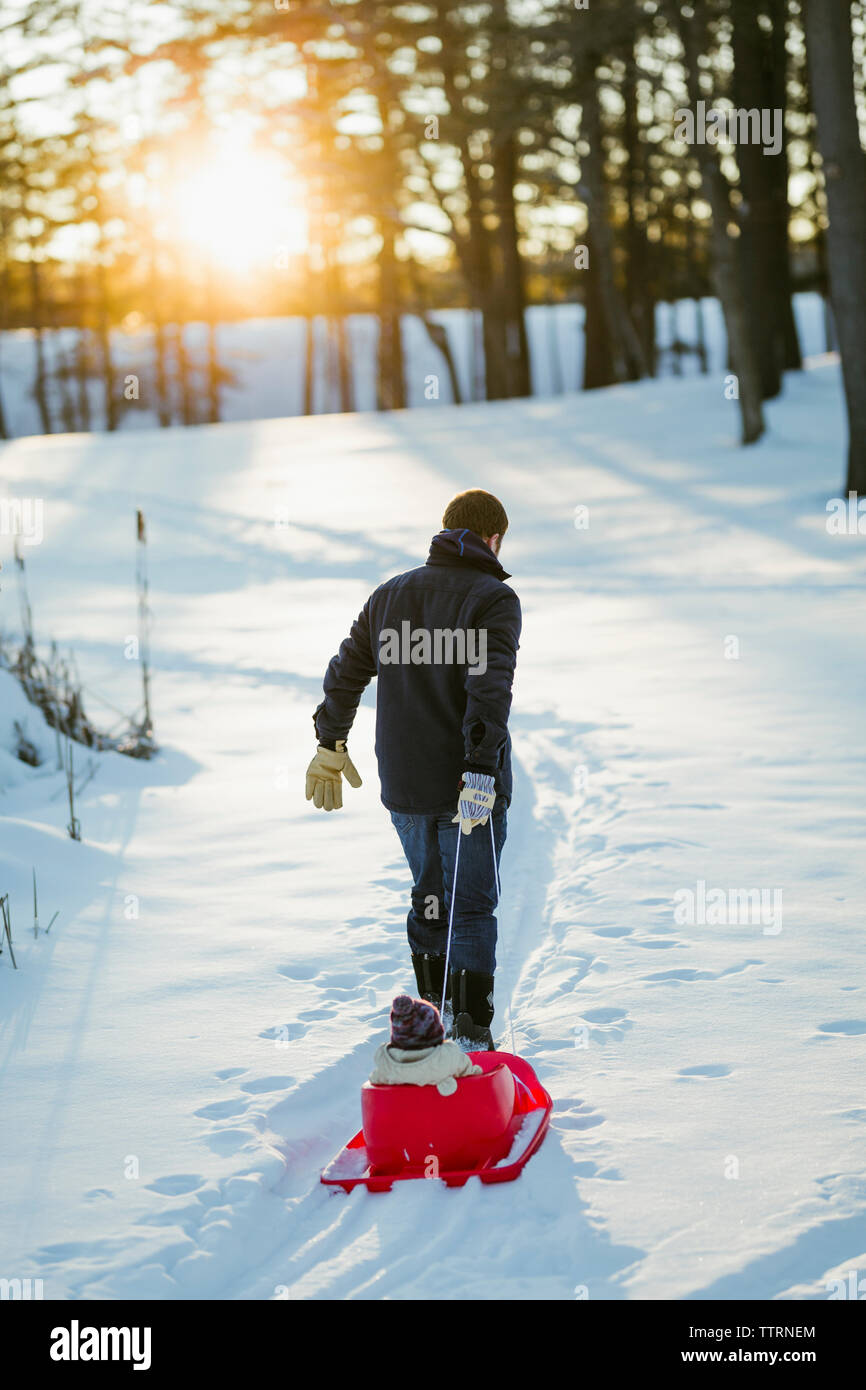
x=239 y=208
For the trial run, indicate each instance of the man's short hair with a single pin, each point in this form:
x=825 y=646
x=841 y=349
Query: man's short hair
x=479 y=511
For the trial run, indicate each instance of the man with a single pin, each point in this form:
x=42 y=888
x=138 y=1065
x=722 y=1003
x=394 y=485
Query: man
x=443 y=641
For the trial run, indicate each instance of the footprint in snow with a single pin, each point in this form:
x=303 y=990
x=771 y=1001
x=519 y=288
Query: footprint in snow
x=298 y=972
x=678 y=977
x=226 y=1073
x=268 y=1083
x=177 y=1185
x=229 y=1141
x=844 y=1027
x=588 y=1169
x=346 y=984
x=643 y=846
x=709 y=1070
x=607 y=1024
x=587 y=1120
x=222 y=1109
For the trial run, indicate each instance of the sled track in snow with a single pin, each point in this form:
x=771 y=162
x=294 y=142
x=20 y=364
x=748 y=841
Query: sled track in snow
x=308 y=1256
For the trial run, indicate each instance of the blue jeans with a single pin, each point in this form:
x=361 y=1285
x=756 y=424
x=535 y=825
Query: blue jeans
x=430 y=846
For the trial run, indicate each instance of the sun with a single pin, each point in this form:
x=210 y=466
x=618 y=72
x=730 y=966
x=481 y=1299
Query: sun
x=239 y=208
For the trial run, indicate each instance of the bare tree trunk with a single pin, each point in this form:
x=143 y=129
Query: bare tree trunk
x=696 y=290
x=390 y=368
x=702 y=337
x=599 y=366
x=309 y=363
x=213 y=373
x=611 y=366
x=390 y=380
x=473 y=249
x=676 y=343
x=317 y=275
x=758 y=243
x=40 y=384
x=181 y=358
x=829 y=42
x=478 y=273
x=64 y=371
x=341 y=373
x=783 y=283
x=615 y=329
x=639 y=293
x=160 y=344
x=4 y=317
x=511 y=268
x=344 y=370
x=103 y=334
x=160 y=347
x=81 y=354
x=726 y=266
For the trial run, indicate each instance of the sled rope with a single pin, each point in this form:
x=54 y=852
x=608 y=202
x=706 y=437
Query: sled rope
x=495 y=866
x=451 y=914
x=498 y=896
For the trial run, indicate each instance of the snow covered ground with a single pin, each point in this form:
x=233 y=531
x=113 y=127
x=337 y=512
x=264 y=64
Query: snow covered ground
x=182 y=1054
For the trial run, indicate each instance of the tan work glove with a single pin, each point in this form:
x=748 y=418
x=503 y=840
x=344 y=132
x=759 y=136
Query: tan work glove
x=324 y=776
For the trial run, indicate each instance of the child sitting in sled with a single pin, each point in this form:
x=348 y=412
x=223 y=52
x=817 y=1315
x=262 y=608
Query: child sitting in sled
x=418 y=1054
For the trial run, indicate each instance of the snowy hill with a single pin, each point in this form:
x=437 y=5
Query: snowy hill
x=183 y=1053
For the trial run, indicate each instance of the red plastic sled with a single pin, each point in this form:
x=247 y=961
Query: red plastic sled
x=489 y=1128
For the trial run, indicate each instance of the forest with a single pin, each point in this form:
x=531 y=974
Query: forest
x=163 y=165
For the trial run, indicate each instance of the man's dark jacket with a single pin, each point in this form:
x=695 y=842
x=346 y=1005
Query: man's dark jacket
x=433 y=721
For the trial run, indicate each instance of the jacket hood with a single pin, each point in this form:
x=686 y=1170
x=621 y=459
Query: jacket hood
x=464 y=547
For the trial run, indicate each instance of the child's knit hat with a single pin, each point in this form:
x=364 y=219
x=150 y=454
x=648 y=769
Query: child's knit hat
x=415 y=1024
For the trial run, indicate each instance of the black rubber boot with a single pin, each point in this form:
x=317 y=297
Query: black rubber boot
x=472 y=998
x=430 y=977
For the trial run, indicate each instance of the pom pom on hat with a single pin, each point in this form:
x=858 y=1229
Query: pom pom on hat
x=415 y=1023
